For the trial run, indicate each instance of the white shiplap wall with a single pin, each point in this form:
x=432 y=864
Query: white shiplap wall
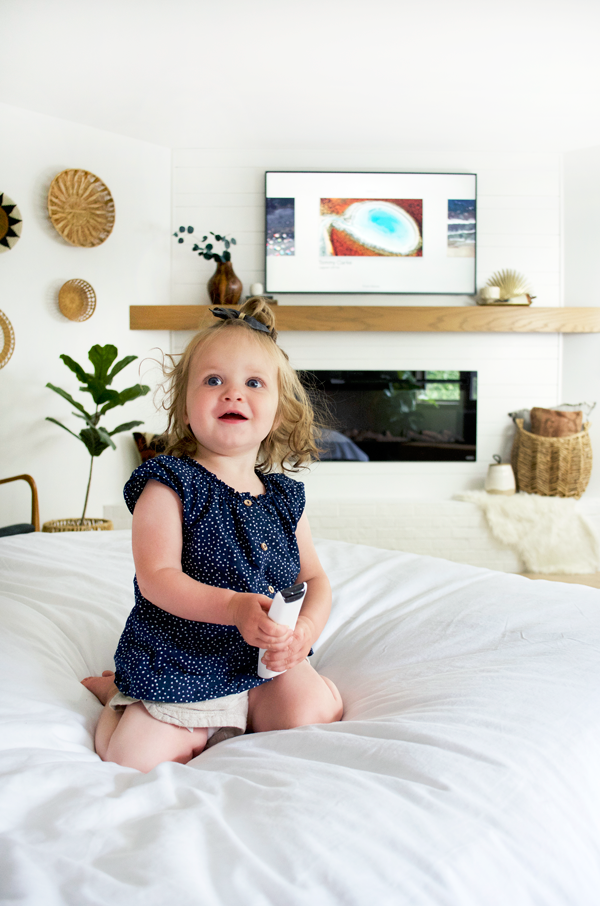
x=132 y=266
x=518 y=227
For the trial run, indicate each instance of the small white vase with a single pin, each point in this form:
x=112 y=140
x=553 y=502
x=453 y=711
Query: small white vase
x=500 y=479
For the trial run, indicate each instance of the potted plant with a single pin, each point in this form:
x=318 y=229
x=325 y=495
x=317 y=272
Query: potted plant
x=224 y=287
x=95 y=438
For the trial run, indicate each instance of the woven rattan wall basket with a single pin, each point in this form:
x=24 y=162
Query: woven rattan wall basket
x=81 y=208
x=77 y=300
x=7 y=339
x=552 y=466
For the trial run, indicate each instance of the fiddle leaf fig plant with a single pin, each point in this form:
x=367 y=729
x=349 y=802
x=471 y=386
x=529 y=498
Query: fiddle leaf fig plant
x=95 y=438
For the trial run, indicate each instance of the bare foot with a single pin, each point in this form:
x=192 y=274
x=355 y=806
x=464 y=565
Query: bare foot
x=103 y=686
x=336 y=694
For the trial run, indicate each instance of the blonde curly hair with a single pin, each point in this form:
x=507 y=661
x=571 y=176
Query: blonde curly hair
x=292 y=442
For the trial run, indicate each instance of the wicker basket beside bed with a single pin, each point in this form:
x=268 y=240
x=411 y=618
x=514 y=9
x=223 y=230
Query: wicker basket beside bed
x=552 y=466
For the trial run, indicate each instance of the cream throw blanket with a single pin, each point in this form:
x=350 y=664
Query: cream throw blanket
x=548 y=533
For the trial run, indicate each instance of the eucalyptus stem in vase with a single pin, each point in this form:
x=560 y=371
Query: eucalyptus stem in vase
x=224 y=287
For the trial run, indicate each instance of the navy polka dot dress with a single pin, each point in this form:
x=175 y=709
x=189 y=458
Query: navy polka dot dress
x=230 y=540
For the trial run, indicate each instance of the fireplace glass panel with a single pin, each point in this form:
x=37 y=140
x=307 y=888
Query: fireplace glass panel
x=397 y=416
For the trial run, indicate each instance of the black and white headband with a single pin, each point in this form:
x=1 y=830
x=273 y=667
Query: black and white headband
x=232 y=314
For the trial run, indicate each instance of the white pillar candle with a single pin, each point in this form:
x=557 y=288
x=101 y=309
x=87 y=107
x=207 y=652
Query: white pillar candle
x=490 y=292
x=256 y=289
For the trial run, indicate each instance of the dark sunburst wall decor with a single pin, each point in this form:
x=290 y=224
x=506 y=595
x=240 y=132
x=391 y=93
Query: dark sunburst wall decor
x=10 y=223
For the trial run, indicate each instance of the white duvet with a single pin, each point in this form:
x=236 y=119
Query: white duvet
x=466 y=771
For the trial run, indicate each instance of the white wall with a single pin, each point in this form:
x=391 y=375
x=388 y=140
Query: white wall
x=519 y=227
x=132 y=266
x=581 y=224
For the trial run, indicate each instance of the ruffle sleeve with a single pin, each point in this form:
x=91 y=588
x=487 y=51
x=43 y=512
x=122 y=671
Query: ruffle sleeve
x=290 y=496
x=168 y=470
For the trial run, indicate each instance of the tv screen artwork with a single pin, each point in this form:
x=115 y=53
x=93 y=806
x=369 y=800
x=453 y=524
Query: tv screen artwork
x=370 y=232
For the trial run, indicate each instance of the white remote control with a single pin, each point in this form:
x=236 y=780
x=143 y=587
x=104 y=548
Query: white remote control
x=284 y=610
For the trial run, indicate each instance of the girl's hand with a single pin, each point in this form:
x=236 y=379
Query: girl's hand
x=293 y=651
x=249 y=612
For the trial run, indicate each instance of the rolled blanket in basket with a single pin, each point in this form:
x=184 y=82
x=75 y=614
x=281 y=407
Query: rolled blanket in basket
x=548 y=533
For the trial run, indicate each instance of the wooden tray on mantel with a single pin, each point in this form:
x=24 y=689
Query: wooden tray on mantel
x=464 y=318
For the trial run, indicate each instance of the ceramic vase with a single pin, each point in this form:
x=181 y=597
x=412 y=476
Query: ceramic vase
x=500 y=479
x=224 y=288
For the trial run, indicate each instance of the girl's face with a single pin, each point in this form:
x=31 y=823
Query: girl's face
x=232 y=394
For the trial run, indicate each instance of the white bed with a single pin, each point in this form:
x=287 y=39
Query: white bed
x=466 y=771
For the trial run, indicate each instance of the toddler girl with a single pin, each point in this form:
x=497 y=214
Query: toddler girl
x=216 y=534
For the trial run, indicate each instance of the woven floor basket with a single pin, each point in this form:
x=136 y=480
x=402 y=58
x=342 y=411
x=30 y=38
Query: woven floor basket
x=552 y=466
x=72 y=525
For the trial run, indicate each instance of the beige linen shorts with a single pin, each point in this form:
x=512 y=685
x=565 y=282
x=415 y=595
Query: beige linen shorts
x=228 y=711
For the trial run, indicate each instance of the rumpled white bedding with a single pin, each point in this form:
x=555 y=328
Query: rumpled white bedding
x=466 y=771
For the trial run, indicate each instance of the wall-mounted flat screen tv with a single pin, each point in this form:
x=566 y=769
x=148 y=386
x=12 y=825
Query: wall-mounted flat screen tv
x=395 y=416
x=370 y=232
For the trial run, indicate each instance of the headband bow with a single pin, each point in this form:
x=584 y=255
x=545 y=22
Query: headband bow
x=232 y=314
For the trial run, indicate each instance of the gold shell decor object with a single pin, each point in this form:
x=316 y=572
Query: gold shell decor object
x=510 y=283
x=512 y=288
x=11 y=223
x=81 y=208
x=77 y=300
x=7 y=334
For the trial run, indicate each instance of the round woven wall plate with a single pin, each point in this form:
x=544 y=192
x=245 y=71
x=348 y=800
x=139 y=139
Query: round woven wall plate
x=81 y=208
x=10 y=223
x=7 y=339
x=77 y=300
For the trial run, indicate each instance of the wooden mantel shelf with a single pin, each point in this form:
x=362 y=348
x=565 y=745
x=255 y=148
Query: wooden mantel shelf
x=470 y=318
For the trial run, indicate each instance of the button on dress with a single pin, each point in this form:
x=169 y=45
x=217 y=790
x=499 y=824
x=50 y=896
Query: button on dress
x=227 y=543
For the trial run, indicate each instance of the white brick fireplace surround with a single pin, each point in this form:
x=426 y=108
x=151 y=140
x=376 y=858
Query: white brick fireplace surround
x=451 y=529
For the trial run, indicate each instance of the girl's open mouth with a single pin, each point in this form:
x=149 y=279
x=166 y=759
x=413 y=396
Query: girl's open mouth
x=232 y=417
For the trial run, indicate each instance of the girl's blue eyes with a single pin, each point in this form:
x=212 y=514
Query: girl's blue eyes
x=215 y=381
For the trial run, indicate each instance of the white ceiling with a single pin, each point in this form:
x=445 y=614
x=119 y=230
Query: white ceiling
x=320 y=74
